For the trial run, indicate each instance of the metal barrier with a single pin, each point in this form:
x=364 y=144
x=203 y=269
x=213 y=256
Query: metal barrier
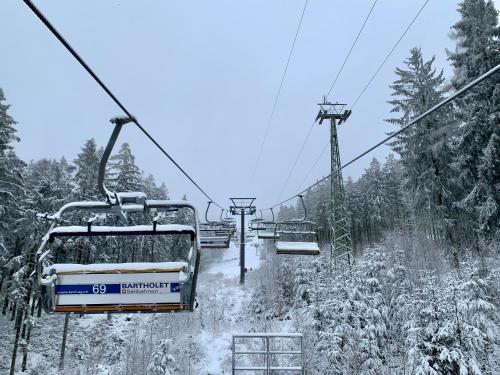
x=269 y=352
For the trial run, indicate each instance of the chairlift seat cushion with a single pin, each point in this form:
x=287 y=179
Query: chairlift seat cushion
x=266 y=235
x=305 y=248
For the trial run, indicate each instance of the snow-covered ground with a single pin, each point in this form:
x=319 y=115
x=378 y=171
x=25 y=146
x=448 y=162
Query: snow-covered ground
x=220 y=282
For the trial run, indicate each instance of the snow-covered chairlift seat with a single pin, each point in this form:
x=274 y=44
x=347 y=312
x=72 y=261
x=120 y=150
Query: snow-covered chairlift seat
x=266 y=230
x=298 y=248
x=296 y=237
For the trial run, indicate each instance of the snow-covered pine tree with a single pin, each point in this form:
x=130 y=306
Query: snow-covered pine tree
x=152 y=190
x=394 y=209
x=478 y=313
x=11 y=191
x=476 y=156
x=374 y=198
x=434 y=341
x=163 y=362
x=124 y=175
x=87 y=164
x=424 y=148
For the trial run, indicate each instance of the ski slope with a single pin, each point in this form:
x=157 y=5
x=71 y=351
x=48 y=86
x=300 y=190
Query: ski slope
x=219 y=284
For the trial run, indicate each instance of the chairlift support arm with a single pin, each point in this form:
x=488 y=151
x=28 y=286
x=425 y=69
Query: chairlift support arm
x=119 y=122
x=206 y=213
x=304 y=207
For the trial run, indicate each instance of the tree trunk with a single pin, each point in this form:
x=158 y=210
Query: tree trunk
x=5 y=304
x=17 y=328
x=39 y=311
x=27 y=337
x=13 y=310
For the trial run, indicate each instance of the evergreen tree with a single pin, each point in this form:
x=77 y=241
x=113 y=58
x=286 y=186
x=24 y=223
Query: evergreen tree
x=152 y=190
x=435 y=335
x=163 y=362
x=123 y=173
x=392 y=181
x=477 y=310
x=424 y=148
x=87 y=164
x=12 y=191
x=478 y=144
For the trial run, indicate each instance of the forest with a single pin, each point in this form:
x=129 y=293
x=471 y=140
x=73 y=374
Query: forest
x=421 y=297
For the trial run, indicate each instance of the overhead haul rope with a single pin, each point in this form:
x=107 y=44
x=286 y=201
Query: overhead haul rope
x=82 y=62
x=301 y=150
x=271 y=116
x=362 y=91
x=388 y=55
x=404 y=128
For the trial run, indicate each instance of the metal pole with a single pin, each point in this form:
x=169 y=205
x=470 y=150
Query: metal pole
x=242 y=248
x=234 y=355
x=302 y=354
x=268 y=365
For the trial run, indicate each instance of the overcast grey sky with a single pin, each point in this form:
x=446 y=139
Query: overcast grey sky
x=202 y=75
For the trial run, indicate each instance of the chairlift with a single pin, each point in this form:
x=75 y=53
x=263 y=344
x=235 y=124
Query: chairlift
x=266 y=231
x=213 y=234
x=229 y=222
x=255 y=224
x=154 y=286
x=297 y=237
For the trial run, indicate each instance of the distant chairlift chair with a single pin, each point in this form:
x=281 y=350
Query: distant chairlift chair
x=297 y=237
x=213 y=234
x=266 y=229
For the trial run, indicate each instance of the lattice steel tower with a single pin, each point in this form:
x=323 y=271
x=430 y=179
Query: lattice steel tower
x=340 y=234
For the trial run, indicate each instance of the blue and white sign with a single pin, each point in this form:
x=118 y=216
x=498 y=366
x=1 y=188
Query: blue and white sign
x=123 y=288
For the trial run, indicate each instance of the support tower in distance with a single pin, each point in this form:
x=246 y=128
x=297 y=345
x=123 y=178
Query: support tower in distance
x=340 y=234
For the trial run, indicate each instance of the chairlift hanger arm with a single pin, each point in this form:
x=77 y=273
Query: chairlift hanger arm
x=119 y=122
x=304 y=207
x=206 y=213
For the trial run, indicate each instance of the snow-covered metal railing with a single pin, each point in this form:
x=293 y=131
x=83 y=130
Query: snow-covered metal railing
x=269 y=353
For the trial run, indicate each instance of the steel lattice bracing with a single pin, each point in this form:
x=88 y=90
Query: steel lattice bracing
x=340 y=236
x=341 y=247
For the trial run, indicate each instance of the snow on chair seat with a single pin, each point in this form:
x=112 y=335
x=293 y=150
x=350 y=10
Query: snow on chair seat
x=266 y=235
x=298 y=248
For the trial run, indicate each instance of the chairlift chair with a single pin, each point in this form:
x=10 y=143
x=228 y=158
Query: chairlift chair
x=297 y=237
x=229 y=223
x=156 y=286
x=214 y=235
x=256 y=224
x=266 y=228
